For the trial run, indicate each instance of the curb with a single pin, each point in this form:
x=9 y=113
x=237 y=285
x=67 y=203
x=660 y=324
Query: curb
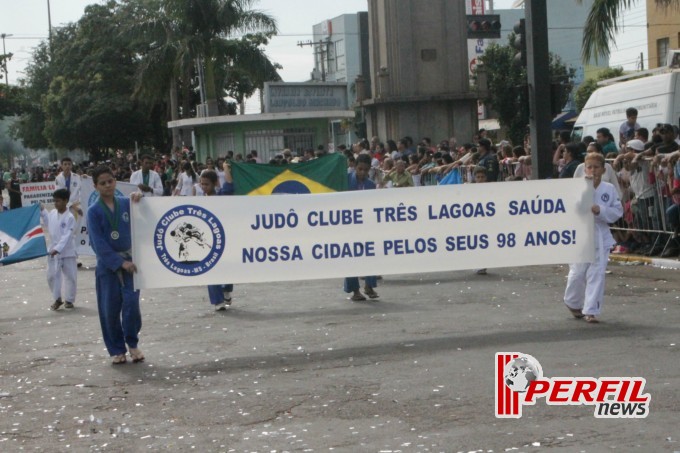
x=651 y=261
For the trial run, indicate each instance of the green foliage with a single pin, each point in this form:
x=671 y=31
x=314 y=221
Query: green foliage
x=603 y=24
x=584 y=90
x=113 y=77
x=508 y=95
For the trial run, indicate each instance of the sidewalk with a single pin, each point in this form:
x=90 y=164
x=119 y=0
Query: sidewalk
x=631 y=259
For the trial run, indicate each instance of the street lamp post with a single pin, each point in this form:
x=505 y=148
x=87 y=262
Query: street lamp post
x=4 y=52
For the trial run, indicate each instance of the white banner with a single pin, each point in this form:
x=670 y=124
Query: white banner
x=188 y=241
x=89 y=196
x=37 y=192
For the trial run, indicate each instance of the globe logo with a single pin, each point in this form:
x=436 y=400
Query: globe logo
x=521 y=371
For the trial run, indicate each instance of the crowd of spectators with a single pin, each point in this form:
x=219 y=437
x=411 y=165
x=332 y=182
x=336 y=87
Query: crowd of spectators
x=644 y=167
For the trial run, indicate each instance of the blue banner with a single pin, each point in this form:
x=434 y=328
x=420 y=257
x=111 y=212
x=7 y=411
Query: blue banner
x=21 y=236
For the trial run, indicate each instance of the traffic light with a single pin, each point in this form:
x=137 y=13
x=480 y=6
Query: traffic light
x=484 y=26
x=520 y=43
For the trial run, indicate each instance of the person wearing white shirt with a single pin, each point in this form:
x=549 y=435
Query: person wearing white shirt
x=62 y=269
x=148 y=181
x=186 y=181
x=71 y=182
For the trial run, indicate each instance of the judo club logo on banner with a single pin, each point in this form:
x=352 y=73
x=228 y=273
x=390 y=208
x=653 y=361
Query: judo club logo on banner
x=520 y=381
x=189 y=240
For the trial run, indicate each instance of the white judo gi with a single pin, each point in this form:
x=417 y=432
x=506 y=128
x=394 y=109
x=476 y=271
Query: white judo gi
x=585 y=283
x=62 y=269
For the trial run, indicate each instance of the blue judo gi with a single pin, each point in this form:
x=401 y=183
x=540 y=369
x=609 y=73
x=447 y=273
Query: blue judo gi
x=118 y=303
x=216 y=292
x=351 y=284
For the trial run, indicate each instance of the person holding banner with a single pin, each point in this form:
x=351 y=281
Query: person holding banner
x=108 y=223
x=358 y=180
x=220 y=295
x=584 y=293
x=147 y=180
x=62 y=271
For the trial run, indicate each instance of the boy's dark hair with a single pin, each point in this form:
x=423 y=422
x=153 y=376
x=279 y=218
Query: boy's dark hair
x=146 y=156
x=588 y=139
x=62 y=194
x=66 y=159
x=573 y=149
x=101 y=170
x=485 y=143
x=363 y=159
x=211 y=176
x=565 y=136
x=597 y=146
x=643 y=132
x=478 y=169
x=631 y=111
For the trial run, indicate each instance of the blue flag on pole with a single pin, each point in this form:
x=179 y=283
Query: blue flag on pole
x=21 y=236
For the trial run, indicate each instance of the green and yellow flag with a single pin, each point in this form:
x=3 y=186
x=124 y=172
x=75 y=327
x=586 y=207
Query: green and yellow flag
x=325 y=174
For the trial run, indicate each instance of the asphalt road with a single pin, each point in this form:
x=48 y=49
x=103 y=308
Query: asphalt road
x=298 y=367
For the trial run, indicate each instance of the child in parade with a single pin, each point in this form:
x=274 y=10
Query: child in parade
x=220 y=295
x=584 y=293
x=62 y=270
x=358 y=180
x=108 y=223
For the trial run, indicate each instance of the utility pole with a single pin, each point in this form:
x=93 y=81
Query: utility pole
x=322 y=52
x=49 y=25
x=538 y=68
x=4 y=53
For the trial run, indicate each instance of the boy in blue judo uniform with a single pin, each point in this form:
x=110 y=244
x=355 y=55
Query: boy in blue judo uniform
x=108 y=222
x=358 y=180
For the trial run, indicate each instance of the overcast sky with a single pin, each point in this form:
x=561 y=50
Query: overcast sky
x=27 y=21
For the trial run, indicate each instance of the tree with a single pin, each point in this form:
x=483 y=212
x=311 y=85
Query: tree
x=602 y=25
x=507 y=94
x=587 y=87
x=207 y=24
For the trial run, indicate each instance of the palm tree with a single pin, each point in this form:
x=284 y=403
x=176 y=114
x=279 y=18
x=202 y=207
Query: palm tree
x=603 y=24
x=173 y=35
x=207 y=24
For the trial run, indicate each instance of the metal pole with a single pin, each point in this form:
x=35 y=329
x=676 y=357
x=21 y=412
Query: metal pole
x=538 y=76
x=49 y=25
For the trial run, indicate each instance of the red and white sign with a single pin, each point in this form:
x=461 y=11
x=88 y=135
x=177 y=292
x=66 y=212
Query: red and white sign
x=520 y=382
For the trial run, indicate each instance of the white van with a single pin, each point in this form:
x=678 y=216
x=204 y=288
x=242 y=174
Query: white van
x=656 y=98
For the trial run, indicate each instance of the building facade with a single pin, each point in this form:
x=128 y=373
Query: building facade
x=565 y=33
x=340 y=54
x=663 y=33
x=419 y=83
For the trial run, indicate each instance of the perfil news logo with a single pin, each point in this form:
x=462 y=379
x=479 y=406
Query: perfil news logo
x=520 y=381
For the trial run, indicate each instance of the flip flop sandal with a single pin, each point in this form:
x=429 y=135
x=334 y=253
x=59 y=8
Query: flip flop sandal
x=372 y=294
x=575 y=312
x=118 y=359
x=591 y=319
x=357 y=298
x=56 y=305
x=136 y=355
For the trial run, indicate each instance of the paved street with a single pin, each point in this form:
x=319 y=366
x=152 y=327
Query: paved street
x=298 y=367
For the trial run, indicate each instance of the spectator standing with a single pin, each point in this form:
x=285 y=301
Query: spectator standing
x=628 y=127
x=14 y=190
x=186 y=181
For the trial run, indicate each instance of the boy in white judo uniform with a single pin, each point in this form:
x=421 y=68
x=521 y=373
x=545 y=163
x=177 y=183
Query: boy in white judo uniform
x=585 y=284
x=61 y=259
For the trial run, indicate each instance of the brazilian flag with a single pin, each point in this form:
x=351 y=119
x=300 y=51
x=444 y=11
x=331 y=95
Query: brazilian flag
x=325 y=174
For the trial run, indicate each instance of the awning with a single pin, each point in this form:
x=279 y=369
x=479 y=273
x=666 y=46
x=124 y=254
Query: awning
x=564 y=121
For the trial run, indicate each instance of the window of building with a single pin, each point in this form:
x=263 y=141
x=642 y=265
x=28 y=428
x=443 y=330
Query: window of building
x=223 y=143
x=662 y=46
